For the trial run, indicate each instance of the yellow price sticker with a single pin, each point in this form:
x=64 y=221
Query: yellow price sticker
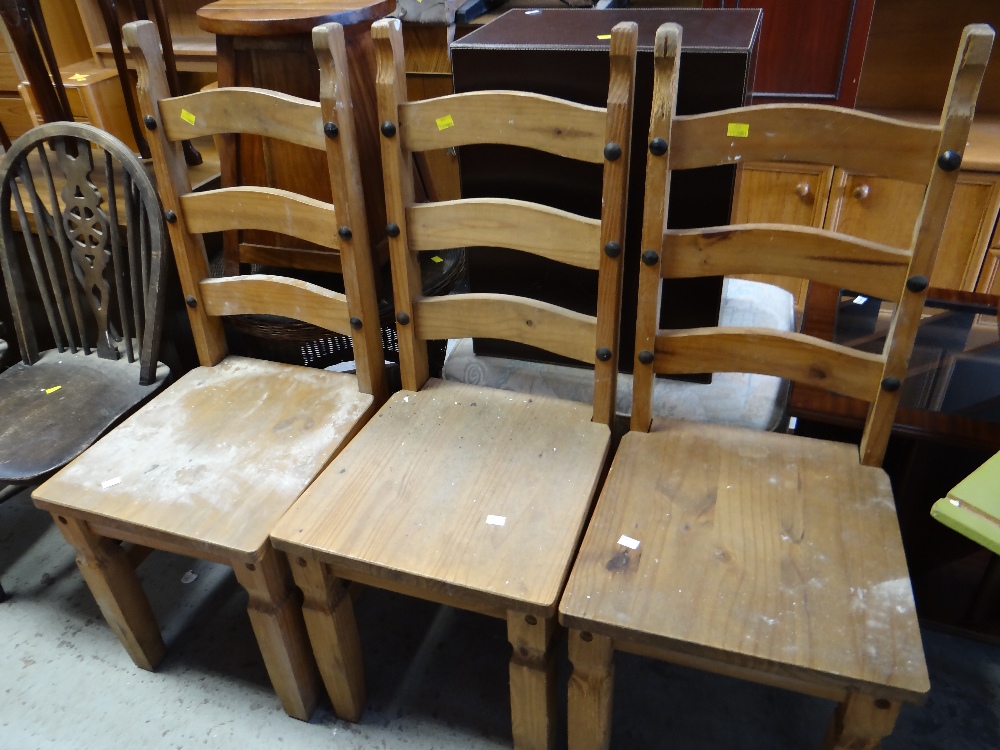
x=604 y=36
x=79 y=77
x=445 y=122
x=738 y=130
x=53 y=389
x=187 y=117
x=437 y=259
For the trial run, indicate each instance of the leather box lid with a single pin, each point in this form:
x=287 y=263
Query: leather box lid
x=565 y=28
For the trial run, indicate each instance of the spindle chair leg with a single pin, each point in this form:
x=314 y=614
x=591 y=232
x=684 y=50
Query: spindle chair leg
x=112 y=580
x=333 y=633
x=276 y=615
x=532 y=680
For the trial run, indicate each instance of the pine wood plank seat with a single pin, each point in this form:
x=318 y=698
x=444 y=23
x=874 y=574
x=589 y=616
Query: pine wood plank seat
x=207 y=469
x=456 y=493
x=768 y=557
x=93 y=274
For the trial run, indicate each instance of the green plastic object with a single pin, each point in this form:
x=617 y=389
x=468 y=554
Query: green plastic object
x=972 y=507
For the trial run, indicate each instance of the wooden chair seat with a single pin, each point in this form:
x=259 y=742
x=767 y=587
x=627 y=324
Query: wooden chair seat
x=416 y=490
x=110 y=389
x=748 y=550
x=216 y=459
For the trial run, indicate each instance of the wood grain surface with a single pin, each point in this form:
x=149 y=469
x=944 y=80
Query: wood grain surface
x=818 y=254
x=253 y=18
x=762 y=550
x=217 y=459
x=410 y=495
x=514 y=118
x=266 y=113
x=494 y=222
x=810 y=133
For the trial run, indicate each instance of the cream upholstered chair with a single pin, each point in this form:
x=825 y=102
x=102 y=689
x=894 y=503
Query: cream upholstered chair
x=769 y=557
x=455 y=493
x=208 y=468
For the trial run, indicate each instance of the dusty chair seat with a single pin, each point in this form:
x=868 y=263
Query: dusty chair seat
x=272 y=426
x=748 y=543
x=414 y=492
x=57 y=423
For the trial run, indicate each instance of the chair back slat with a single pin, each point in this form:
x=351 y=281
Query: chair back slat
x=51 y=232
x=91 y=286
x=519 y=119
x=262 y=208
x=856 y=142
x=118 y=258
x=519 y=225
x=859 y=142
x=539 y=324
x=276 y=295
x=794 y=356
x=243 y=110
x=815 y=254
x=251 y=111
x=511 y=118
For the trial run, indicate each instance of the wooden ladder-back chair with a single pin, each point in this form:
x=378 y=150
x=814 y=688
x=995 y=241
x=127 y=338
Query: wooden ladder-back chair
x=769 y=557
x=455 y=493
x=207 y=469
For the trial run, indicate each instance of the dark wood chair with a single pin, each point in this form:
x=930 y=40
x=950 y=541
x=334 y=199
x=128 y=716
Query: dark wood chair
x=26 y=27
x=87 y=259
x=769 y=557
x=84 y=243
x=209 y=467
x=463 y=494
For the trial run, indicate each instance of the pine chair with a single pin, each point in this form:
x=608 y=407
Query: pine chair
x=769 y=557
x=208 y=468
x=455 y=493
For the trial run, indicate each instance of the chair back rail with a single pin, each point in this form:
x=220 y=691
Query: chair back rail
x=340 y=225
x=512 y=118
x=72 y=188
x=269 y=114
x=593 y=134
x=540 y=230
x=856 y=141
x=262 y=208
x=816 y=254
x=806 y=133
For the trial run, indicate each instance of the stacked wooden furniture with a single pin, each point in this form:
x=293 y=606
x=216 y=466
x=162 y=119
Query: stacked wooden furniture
x=768 y=557
x=458 y=493
x=905 y=74
x=216 y=460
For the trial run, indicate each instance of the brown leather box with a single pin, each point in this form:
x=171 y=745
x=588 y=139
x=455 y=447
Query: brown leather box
x=559 y=52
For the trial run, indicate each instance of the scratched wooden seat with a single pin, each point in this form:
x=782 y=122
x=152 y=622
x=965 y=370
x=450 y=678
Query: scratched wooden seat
x=208 y=468
x=454 y=493
x=769 y=557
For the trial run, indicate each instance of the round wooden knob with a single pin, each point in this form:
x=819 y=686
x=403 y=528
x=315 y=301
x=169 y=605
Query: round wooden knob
x=802 y=189
x=861 y=192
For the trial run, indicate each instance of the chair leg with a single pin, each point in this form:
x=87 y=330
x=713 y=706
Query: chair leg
x=114 y=584
x=861 y=722
x=276 y=615
x=532 y=681
x=333 y=633
x=591 y=690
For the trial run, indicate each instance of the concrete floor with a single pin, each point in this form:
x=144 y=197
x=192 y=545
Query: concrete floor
x=437 y=677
